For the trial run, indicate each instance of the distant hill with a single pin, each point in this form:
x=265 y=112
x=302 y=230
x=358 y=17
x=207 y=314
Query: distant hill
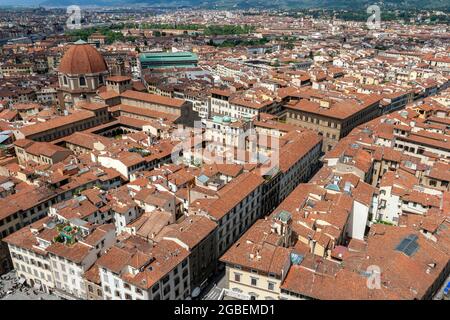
x=243 y=4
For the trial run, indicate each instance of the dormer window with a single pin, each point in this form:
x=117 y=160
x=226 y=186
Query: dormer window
x=82 y=82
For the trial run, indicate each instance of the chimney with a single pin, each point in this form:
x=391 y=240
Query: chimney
x=314 y=246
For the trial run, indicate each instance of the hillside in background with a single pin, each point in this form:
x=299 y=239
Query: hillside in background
x=245 y=4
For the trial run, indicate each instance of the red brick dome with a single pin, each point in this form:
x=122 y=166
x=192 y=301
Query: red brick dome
x=82 y=58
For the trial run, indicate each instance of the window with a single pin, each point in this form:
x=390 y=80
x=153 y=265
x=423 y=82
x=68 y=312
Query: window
x=82 y=82
x=65 y=81
x=254 y=281
x=138 y=291
x=237 y=277
x=166 y=290
x=271 y=286
x=127 y=296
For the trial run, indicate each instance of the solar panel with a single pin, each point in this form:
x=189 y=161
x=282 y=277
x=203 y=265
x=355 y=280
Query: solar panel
x=411 y=248
x=403 y=244
x=296 y=258
x=408 y=245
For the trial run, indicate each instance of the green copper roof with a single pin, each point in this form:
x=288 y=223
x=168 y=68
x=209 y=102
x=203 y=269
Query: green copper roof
x=223 y=119
x=333 y=187
x=167 y=56
x=284 y=216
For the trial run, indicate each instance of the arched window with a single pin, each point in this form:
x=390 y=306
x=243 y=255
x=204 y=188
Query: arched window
x=253 y=296
x=82 y=81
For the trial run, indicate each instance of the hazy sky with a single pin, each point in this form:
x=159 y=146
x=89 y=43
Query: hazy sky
x=20 y=2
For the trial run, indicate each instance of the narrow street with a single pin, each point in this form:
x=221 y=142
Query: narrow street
x=12 y=289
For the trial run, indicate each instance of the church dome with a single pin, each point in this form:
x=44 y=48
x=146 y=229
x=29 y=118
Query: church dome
x=82 y=58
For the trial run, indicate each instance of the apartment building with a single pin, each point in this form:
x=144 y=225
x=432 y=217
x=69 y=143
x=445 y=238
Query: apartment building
x=32 y=203
x=227 y=131
x=93 y=284
x=196 y=234
x=243 y=105
x=19 y=210
x=233 y=211
x=70 y=260
x=437 y=177
x=29 y=257
x=10 y=69
x=135 y=269
x=331 y=117
x=259 y=261
x=92 y=115
x=124 y=162
x=298 y=160
x=85 y=142
x=42 y=153
x=53 y=256
x=422 y=144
